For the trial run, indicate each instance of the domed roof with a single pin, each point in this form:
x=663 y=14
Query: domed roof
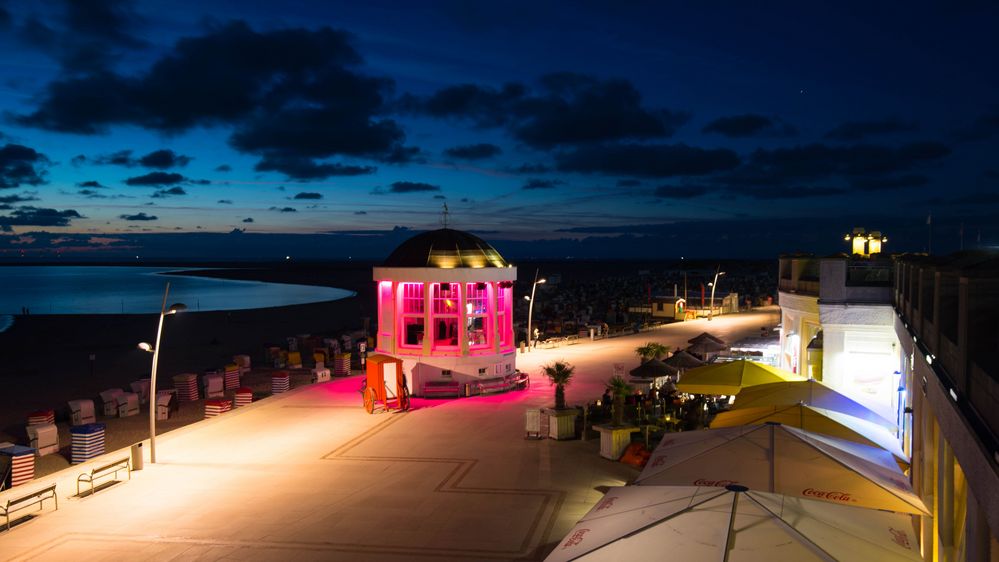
x=445 y=248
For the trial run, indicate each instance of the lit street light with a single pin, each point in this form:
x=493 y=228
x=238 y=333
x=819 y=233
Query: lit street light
x=530 y=307
x=174 y=308
x=714 y=285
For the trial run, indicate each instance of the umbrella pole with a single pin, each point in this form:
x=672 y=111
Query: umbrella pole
x=773 y=456
x=730 y=536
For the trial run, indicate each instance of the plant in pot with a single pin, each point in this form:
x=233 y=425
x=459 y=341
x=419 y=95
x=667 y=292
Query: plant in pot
x=652 y=350
x=619 y=389
x=559 y=373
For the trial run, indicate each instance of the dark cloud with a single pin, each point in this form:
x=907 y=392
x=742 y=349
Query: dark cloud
x=120 y=158
x=138 y=217
x=156 y=178
x=859 y=130
x=749 y=125
x=479 y=151
x=248 y=219
x=164 y=159
x=658 y=160
x=681 y=191
x=35 y=216
x=360 y=212
x=21 y=165
x=440 y=197
x=5 y=19
x=791 y=192
x=91 y=194
x=980 y=198
x=412 y=187
x=78 y=160
x=629 y=183
x=223 y=168
x=171 y=192
x=224 y=201
x=541 y=184
x=895 y=182
x=299 y=168
x=985 y=127
x=568 y=109
x=531 y=169
x=284 y=209
x=308 y=195
x=93 y=184
x=17 y=198
x=818 y=160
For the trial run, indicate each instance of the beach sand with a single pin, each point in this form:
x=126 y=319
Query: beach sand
x=45 y=359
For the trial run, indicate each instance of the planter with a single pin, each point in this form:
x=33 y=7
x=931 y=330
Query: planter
x=614 y=440
x=561 y=423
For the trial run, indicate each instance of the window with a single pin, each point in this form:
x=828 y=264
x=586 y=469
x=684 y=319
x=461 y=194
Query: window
x=446 y=301
x=412 y=332
x=446 y=373
x=482 y=371
x=504 y=312
x=477 y=317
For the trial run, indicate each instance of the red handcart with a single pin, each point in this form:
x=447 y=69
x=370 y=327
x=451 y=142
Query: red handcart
x=384 y=388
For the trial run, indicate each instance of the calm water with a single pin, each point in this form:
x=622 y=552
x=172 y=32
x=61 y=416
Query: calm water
x=133 y=290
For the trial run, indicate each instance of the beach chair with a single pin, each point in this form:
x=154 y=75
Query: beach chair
x=81 y=412
x=128 y=404
x=141 y=387
x=164 y=400
x=214 y=385
x=294 y=360
x=320 y=375
x=244 y=363
x=109 y=398
x=45 y=438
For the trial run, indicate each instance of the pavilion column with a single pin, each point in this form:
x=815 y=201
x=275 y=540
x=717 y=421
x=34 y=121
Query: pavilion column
x=493 y=297
x=428 y=318
x=463 y=319
x=393 y=316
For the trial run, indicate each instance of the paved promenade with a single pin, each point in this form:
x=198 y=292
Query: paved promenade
x=310 y=476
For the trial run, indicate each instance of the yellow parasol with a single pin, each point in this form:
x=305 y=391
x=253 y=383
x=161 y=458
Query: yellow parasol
x=730 y=377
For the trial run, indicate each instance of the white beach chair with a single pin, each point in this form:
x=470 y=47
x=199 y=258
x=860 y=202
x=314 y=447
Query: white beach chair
x=141 y=387
x=45 y=438
x=109 y=398
x=128 y=404
x=163 y=399
x=244 y=363
x=214 y=385
x=320 y=375
x=81 y=412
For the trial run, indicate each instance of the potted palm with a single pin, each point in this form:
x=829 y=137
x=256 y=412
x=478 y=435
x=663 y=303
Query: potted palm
x=616 y=437
x=561 y=420
x=651 y=350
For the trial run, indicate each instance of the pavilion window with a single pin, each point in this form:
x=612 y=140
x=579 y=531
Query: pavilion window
x=445 y=301
x=504 y=309
x=413 y=330
x=477 y=315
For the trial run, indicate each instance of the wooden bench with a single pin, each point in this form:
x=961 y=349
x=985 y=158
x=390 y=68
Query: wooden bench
x=103 y=471
x=498 y=384
x=438 y=389
x=37 y=497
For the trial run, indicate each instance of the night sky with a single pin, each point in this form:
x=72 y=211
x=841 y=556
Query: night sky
x=212 y=129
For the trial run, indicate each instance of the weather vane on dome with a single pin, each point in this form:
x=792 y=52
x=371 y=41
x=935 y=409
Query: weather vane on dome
x=445 y=214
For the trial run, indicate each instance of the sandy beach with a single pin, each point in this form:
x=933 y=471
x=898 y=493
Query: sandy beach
x=46 y=358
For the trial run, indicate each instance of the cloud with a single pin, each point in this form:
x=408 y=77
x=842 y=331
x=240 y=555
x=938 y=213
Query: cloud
x=681 y=191
x=629 y=183
x=17 y=198
x=223 y=168
x=93 y=184
x=818 y=160
x=138 y=217
x=657 y=160
x=91 y=194
x=853 y=131
x=35 y=216
x=296 y=167
x=567 y=109
x=5 y=19
x=173 y=191
x=531 y=169
x=541 y=184
x=308 y=195
x=248 y=219
x=412 y=187
x=224 y=201
x=479 y=151
x=164 y=159
x=284 y=209
x=119 y=158
x=985 y=127
x=156 y=178
x=749 y=125
x=360 y=212
x=288 y=93
x=20 y=165
x=895 y=182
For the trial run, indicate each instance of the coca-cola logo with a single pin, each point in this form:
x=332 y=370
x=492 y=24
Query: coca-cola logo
x=900 y=538
x=606 y=504
x=714 y=483
x=667 y=443
x=576 y=538
x=830 y=495
x=661 y=460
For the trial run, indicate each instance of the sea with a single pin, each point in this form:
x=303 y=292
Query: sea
x=139 y=290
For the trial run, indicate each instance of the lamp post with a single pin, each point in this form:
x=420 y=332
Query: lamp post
x=714 y=285
x=174 y=308
x=530 y=307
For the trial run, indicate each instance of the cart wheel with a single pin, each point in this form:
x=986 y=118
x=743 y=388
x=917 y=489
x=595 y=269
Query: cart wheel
x=404 y=399
x=369 y=400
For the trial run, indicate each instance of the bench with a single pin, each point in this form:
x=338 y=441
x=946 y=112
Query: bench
x=498 y=384
x=37 y=497
x=437 y=389
x=519 y=380
x=102 y=471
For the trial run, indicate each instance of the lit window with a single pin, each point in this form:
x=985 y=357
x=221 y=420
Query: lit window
x=413 y=329
x=479 y=322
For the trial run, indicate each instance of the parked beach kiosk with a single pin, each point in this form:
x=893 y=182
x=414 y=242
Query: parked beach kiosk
x=45 y=438
x=109 y=398
x=17 y=463
x=81 y=412
x=385 y=385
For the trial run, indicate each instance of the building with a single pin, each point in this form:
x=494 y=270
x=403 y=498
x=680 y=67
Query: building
x=837 y=323
x=946 y=318
x=445 y=307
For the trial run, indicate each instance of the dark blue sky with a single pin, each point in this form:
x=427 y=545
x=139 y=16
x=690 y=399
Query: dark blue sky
x=547 y=127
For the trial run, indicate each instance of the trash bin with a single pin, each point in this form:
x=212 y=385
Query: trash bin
x=137 y=456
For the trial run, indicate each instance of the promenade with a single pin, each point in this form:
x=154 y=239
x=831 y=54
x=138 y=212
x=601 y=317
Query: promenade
x=309 y=475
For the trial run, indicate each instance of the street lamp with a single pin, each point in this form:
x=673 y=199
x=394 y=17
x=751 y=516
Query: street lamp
x=530 y=307
x=714 y=285
x=174 y=309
